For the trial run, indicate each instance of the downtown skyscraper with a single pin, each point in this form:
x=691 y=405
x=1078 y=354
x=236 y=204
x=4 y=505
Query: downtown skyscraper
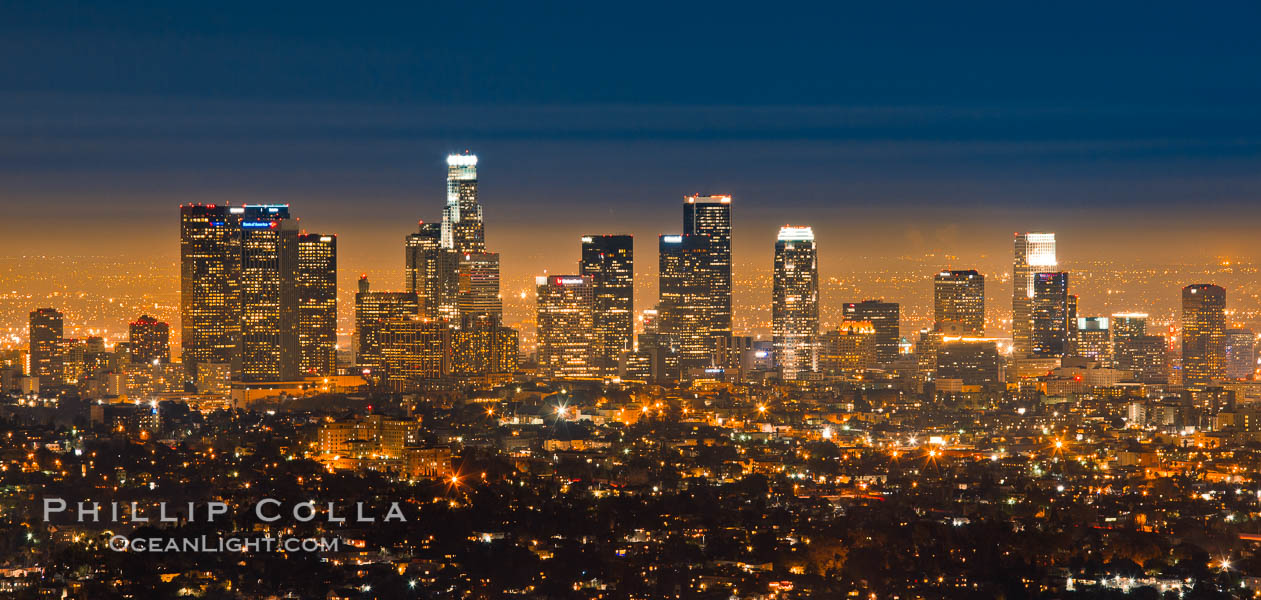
x=684 y=302
x=1049 y=330
x=269 y=294
x=1034 y=253
x=795 y=303
x=959 y=300
x=1203 y=334
x=884 y=318
x=609 y=260
x=148 y=340
x=462 y=228
x=710 y=216
x=566 y=335
x=210 y=285
x=317 y=303
x=44 y=334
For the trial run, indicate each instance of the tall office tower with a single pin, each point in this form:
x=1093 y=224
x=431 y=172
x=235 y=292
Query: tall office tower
x=1035 y=253
x=609 y=260
x=44 y=336
x=566 y=335
x=317 y=303
x=850 y=349
x=1203 y=334
x=795 y=302
x=1125 y=325
x=684 y=301
x=884 y=318
x=149 y=340
x=413 y=349
x=1241 y=353
x=1093 y=340
x=372 y=309
x=711 y=216
x=959 y=298
x=430 y=271
x=210 y=285
x=1048 y=336
x=462 y=216
x=477 y=287
x=269 y=294
x=1145 y=356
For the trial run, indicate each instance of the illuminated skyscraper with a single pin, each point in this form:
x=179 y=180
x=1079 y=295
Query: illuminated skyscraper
x=477 y=286
x=462 y=217
x=1203 y=334
x=884 y=318
x=149 y=340
x=1241 y=353
x=431 y=272
x=372 y=309
x=269 y=294
x=45 y=337
x=609 y=260
x=483 y=347
x=795 y=303
x=1093 y=340
x=711 y=216
x=684 y=301
x=959 y=298
x=1049 y=332
x=317 y=303
x=210 y=285
x=1034 y=253
x=566 y=336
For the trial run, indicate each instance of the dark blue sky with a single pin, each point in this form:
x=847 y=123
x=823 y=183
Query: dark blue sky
x=894 y=128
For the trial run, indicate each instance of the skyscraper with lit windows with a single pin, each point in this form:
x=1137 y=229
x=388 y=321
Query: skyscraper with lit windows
x=1049 y=332
x=477 y=286
x=684 y=301
x=959 y=297
x=269 y=294
x=462 y=228
x=609 y=260
x=1034 y=253
x=45 y=334
x=795 y=303
x=210 y=285
x=317 y=303
x=885 y=320
x=566 y=336
x=710 y=216
x=149 y=340
x=372 y=311
x=1203 y=334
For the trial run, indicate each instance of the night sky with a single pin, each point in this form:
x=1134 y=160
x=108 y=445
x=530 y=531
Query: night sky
x=1131 y=130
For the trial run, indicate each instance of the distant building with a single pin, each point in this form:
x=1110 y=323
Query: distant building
x=684 y=300
x=149 y=340
x=1094 y=342
x=413 y=349
x=850 y=349
x=1203 y=334
x=372 y=310
x=959 y=297
x=1241 y=354
x=566 y=336
x=885 y=319
x=710 y=216
x=795 y=302
x=1034 y=253
x=317 y=303
x=609 y=261
x=45 y=334
x=972 y=362
x=1049 y=333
